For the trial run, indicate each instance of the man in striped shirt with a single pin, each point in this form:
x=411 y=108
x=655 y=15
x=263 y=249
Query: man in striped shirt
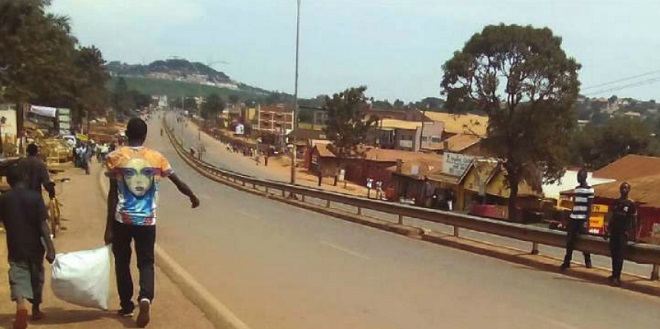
x=583 y=197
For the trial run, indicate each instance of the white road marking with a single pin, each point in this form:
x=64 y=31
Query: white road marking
x=555 y=322
x=245 y=214
x=345 y=250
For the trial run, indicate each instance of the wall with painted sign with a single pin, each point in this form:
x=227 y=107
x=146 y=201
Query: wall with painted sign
x=455 y=164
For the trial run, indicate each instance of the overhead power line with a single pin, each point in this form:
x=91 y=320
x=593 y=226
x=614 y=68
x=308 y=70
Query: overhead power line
x=626 y=86
x=621 y=80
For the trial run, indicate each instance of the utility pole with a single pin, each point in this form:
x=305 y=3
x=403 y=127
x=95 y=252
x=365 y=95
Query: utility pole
x=295 y=96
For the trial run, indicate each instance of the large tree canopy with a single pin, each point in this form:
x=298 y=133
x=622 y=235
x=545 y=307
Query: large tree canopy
x=527 y=85
x=212 y=107
x=41 y=62
x=347 y=126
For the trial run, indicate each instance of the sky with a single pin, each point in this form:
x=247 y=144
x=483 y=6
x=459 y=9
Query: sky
x=394 y=47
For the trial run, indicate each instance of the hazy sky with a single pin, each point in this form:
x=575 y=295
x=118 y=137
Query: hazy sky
x=395 y=47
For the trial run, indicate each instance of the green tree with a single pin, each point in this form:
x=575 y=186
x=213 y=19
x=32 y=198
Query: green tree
x=139 y=99
x=233 y=99
x=346 y=126
x=190 y=104
x=212 y=107
x=122 y=99
x=89 y=85
x=620 y=137
x=522 y=79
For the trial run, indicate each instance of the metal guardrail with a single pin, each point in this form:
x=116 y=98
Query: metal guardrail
x=636 y=252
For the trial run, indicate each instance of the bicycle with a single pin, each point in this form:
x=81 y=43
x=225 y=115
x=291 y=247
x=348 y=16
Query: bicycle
x=54 y=213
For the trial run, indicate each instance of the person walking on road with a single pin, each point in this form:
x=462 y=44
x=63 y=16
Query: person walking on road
x=583 y=197
x=623 y=218
x=23 y=214
x=35 y=172
x=134 y=172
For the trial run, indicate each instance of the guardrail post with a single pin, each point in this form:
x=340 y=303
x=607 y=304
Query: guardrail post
x=283 y=193
x=327 y=203
x=266 y=189
x=243 y=183
x=303 y=197
x=400 y=219
x=456 y=231
x=254 y=186
x=359 y=211
x=535 y=248
x=654 y=272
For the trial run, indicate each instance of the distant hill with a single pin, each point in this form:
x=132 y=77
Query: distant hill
x=179 y=77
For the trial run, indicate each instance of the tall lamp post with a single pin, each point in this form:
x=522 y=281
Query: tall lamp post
x=295 y=96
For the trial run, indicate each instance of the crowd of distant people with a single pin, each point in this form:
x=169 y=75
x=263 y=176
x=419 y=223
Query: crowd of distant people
x=84 y=152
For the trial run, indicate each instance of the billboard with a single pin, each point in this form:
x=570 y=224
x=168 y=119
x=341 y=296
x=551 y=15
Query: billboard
x=455 y=164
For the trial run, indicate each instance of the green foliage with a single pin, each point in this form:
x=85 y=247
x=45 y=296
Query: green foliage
x=346 y=126
x=41 y=62
x=596 y=146
x=522 y=79
x=122 y=100
x=190 y=104
x=233 y=98
x=90 y=86
x=212 y=107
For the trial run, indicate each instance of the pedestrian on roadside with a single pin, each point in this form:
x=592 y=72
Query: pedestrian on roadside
x=266 y=159
x=135 y=172
x=426 y=193
x=622 y=220
x=583 y=197
x=81 y=153
x=23 y=214
x=35 y=172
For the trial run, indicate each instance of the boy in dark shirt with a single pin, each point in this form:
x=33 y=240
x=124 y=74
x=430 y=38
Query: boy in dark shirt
x=23 y=213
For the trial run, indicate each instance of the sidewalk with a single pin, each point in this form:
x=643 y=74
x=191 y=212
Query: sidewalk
x=279 y=167
x=84 y=217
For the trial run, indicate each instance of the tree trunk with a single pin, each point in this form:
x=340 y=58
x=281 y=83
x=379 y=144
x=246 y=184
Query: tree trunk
x=513 y=196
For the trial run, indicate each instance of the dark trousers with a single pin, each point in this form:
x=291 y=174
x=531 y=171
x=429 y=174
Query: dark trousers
x=575 y=228
x=145 y=238
x=618 y=242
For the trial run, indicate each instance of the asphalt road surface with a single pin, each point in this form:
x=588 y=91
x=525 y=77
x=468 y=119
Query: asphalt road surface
x=218 y=155
x=278 y=266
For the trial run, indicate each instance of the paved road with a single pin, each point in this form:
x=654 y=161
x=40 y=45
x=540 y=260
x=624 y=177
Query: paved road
x=219 y=156
x=278 y=266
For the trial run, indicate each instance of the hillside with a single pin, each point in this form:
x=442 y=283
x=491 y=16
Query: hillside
x=179 y=77
x=175 y=89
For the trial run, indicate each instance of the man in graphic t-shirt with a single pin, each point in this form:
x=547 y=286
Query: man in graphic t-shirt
x=135 y=173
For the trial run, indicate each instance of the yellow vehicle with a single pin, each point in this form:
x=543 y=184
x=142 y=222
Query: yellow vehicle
x=596 y=220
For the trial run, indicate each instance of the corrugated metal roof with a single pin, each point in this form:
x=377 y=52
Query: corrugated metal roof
x=461 y=123
x=398 y=124
x=460 y=142
x=630 y=167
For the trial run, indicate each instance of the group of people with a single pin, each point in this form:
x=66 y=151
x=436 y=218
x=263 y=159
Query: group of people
x=621 y=224
x=83 y=153
x=249 y=152
x=134 y=174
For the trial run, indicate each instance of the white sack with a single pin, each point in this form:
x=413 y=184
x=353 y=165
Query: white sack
x=83 y=277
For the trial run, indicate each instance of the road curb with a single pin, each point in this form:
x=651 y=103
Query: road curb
x=216 y=312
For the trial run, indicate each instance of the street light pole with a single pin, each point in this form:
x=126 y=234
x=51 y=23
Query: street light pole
x=295 y=96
